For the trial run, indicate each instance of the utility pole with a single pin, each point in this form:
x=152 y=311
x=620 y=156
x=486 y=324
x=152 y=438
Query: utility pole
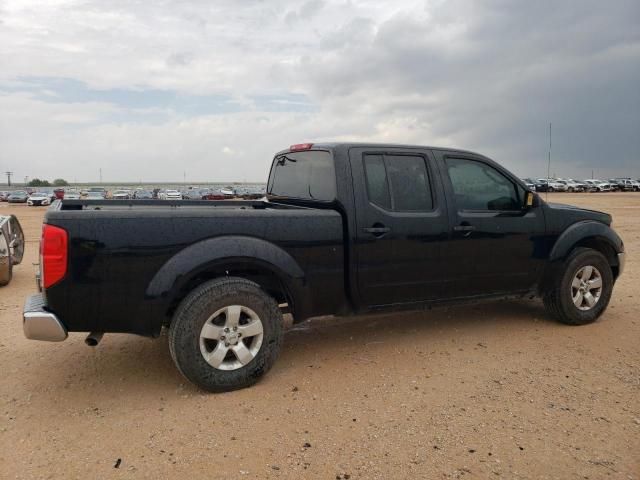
x=101 y=175
x=9 y=177
x=184 y=177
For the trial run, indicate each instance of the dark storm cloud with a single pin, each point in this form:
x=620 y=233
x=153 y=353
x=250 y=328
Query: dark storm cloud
x=492 y=75
x=215 y=87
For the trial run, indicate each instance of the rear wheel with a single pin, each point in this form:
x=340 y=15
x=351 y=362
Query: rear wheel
x=226 y=334
x=582 y=289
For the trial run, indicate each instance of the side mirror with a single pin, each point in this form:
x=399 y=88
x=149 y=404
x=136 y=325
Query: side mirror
x=528 y=200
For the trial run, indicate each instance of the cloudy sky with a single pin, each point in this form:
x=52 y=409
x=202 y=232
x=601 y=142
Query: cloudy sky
x=152 y=89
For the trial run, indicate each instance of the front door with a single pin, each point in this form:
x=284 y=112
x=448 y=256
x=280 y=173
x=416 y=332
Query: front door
x=493 y=235
x=402 y=226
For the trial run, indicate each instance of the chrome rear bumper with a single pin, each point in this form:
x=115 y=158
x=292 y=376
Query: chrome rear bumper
x=38 y=324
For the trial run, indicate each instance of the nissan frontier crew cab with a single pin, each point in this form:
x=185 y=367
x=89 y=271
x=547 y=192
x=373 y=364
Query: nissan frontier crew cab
x=345 y=229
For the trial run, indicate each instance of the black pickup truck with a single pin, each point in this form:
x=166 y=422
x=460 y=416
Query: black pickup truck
x=344 y=229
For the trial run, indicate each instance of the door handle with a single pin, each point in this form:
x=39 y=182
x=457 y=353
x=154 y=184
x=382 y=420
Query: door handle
x=464 y=228
x=377 y=230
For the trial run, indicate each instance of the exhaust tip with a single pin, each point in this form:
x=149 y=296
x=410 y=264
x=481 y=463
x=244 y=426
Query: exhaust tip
x=93 y=339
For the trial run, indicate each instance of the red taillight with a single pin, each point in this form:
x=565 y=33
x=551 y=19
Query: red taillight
x=53 y=251
x=300 y=146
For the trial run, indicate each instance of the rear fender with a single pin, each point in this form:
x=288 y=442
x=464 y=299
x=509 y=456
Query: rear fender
x=215 y=252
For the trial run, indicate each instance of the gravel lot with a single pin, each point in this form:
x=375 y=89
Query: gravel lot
x=488 y=391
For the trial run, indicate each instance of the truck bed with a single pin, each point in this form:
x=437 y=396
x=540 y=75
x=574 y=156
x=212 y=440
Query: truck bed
x=118 y=247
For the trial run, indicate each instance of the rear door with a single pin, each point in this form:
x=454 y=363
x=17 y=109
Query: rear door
x=402 y=226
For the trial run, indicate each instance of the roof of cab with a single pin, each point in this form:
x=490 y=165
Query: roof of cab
x=334 y=145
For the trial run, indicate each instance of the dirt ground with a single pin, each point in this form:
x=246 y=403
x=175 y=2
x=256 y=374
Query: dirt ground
x=488 y=391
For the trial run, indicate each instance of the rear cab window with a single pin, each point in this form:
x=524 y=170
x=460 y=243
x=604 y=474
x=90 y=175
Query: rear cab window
x=307 y=175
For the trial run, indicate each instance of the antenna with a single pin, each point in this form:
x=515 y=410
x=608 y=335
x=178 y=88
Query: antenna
x=548 y=163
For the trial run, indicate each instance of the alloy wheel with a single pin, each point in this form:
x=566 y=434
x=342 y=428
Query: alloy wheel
x=586 y=287
x=231 y=337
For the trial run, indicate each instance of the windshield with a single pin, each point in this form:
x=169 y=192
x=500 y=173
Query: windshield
x=307 y=175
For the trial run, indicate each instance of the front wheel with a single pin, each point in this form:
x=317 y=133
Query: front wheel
x=582 y=289
x=226 y=334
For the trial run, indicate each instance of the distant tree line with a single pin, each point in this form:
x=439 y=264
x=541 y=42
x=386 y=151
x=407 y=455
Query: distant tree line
x=58 y=182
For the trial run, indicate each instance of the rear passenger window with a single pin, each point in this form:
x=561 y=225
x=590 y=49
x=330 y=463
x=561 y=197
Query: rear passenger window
x=398 y=182
x=377 y=186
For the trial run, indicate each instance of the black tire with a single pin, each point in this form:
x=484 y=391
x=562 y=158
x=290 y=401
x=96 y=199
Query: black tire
x=195 y=310
x=550 y=189
x=558 y=299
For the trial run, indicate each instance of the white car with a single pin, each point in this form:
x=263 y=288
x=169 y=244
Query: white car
x=121 y=195
x=39 y=199
x=572 y=186
x=598 y=185
x=170 y=195
x=554 y=186
x=71 y=195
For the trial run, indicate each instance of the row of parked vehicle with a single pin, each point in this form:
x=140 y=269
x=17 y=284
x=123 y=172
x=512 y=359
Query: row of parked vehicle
x=38 y=198
x=174 y=194
x=30 y=198
x=590 y=185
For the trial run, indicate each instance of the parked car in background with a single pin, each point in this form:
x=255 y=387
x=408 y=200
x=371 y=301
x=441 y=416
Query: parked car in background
x=625 y=184
x=11 y=247
x=578 y=183
x=19 y=196
x=228 y=192
x=571 y=185
x=599 y=185
x=213 y=195
x=143 y=195
x=250 y=193
x=4 y=196
x=549 y=185
x=121 y=195
x=169 y=195
x=186 y=194
x=95 y=195
x=38 y=199
x=71 y=194
x=604 y=186
x=97 y=192
x=530 y=183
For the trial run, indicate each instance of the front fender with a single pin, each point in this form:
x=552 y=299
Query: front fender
x=587 y=229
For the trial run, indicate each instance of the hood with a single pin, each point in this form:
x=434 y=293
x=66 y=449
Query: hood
x=568 y=214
